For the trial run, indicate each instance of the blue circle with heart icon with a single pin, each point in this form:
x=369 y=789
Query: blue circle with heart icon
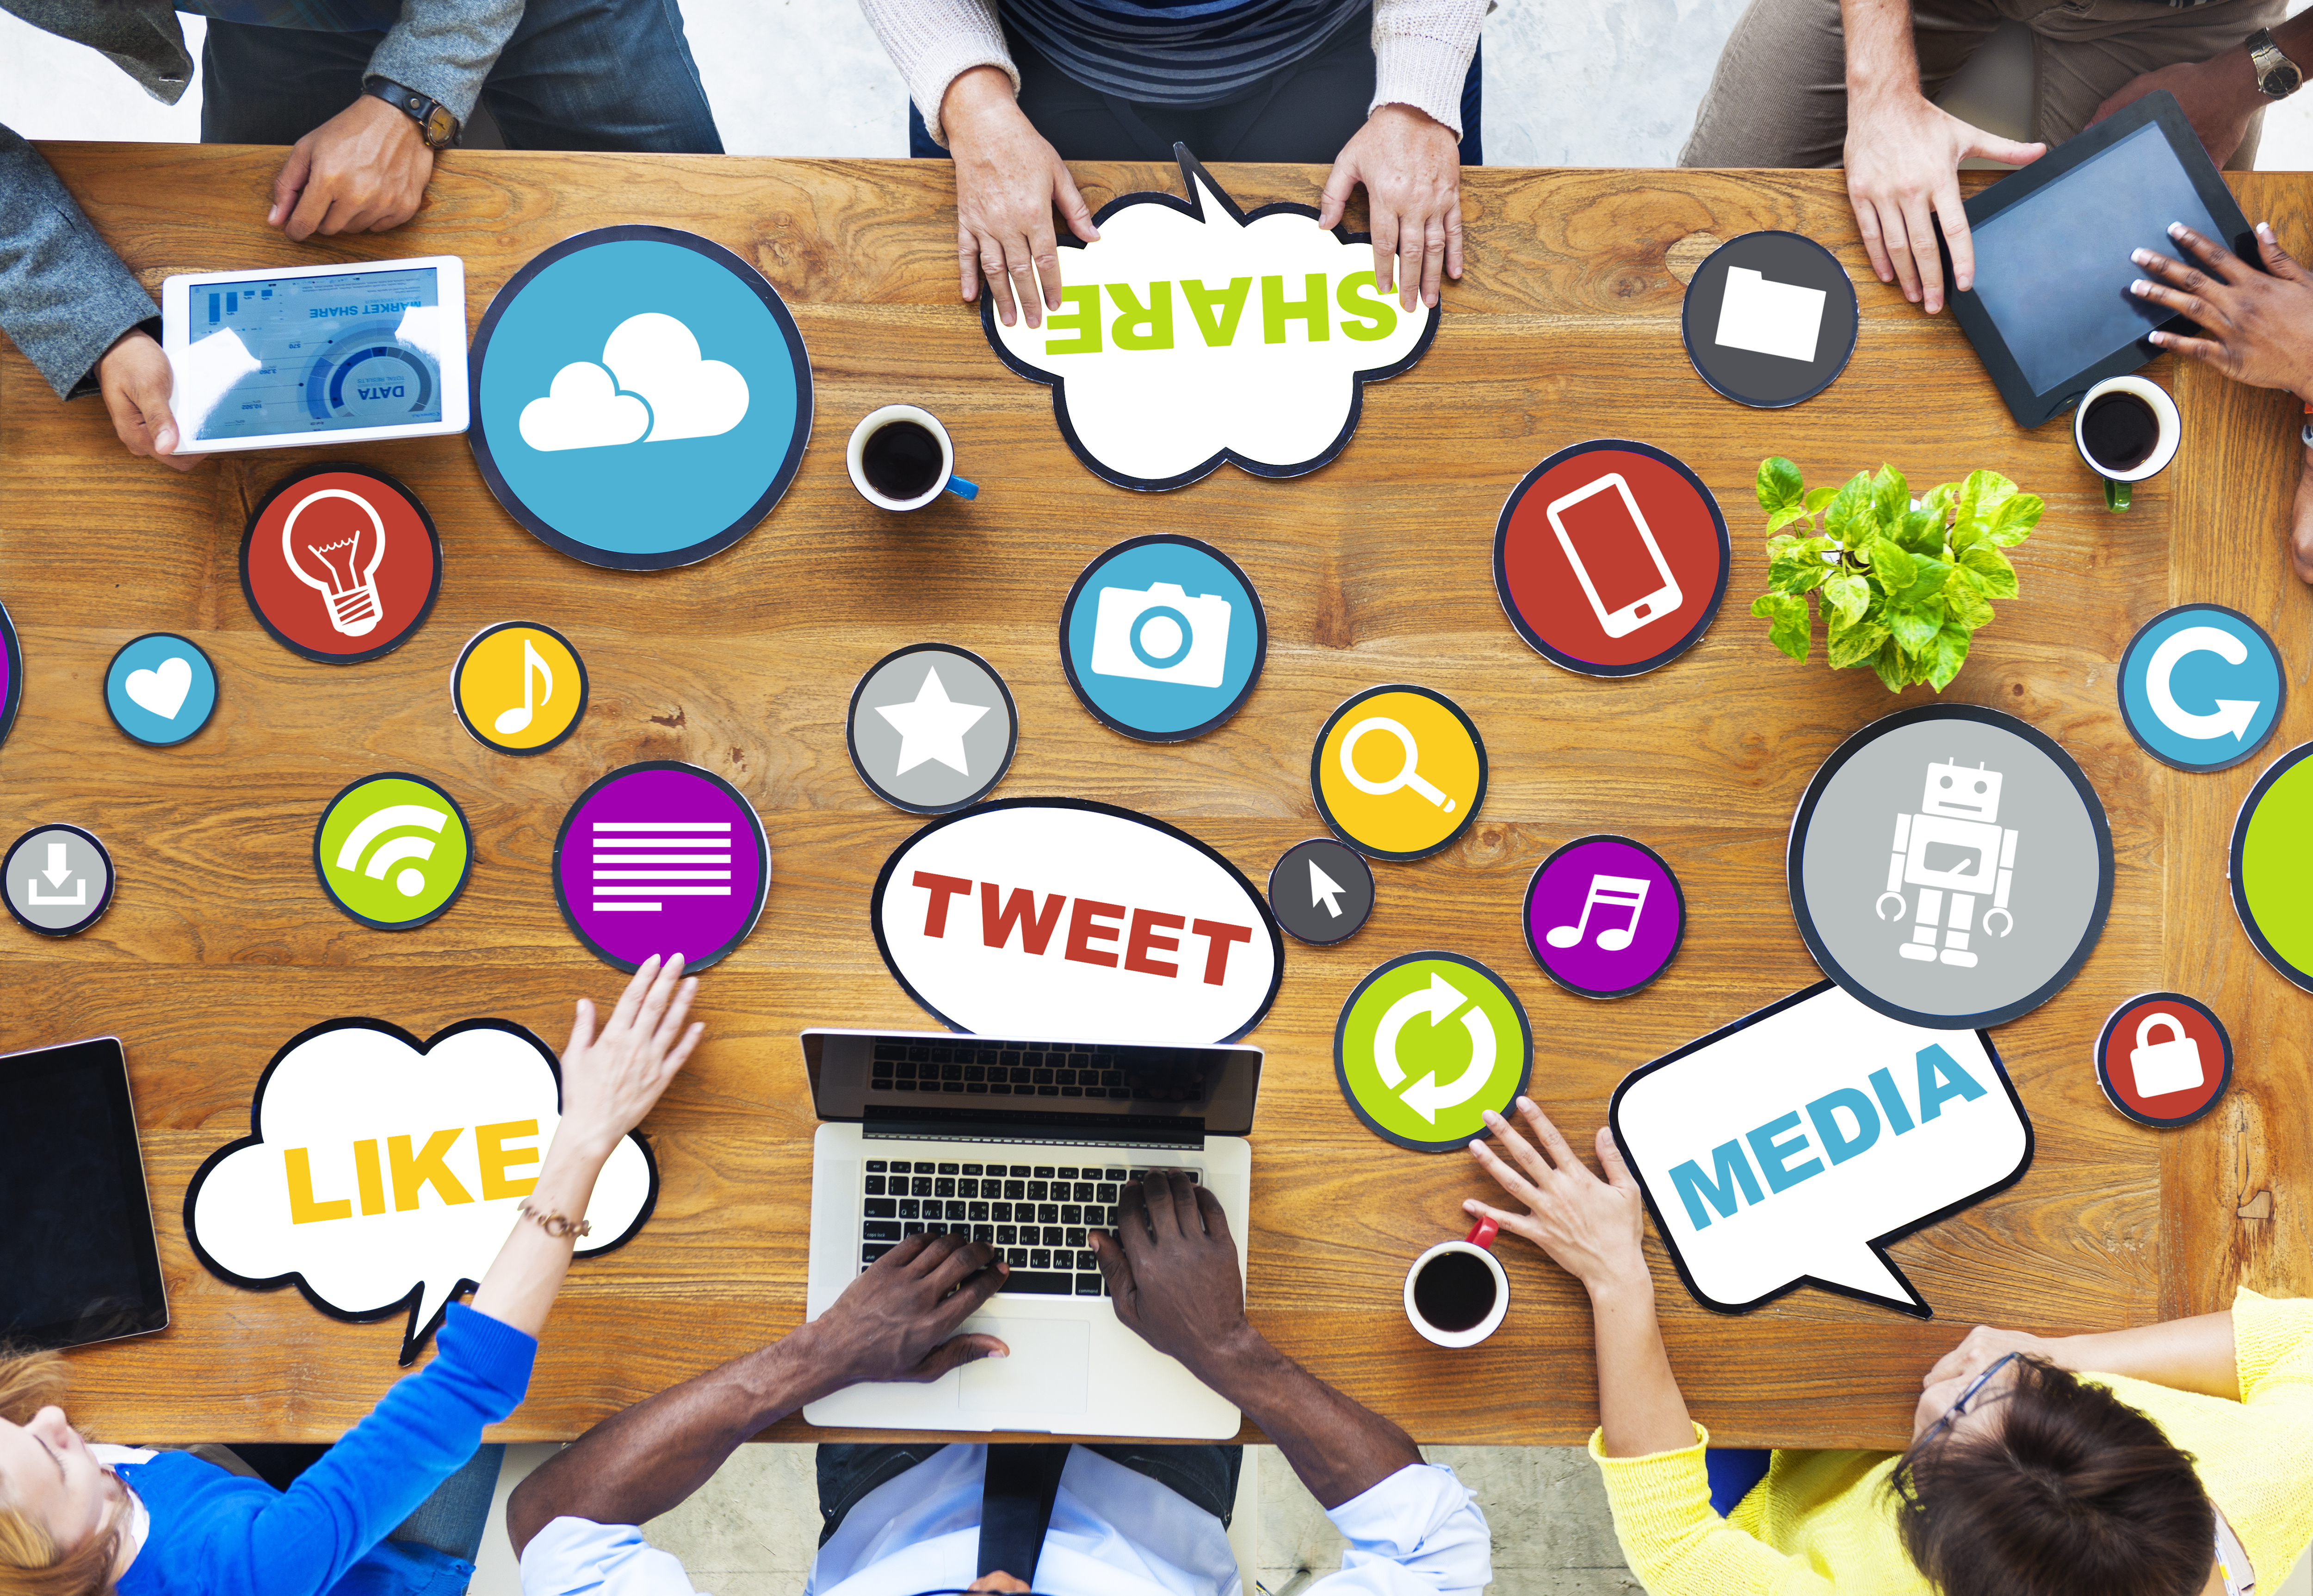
x=161 y=690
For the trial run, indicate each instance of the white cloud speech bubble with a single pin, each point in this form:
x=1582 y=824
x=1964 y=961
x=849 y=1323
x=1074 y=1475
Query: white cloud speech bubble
x=1194 y=332
x=383 y=1173
x=1791 y=1147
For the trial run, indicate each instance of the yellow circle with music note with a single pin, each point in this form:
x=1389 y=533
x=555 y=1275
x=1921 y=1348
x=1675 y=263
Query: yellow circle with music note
x=519 y=686
x=1398 y=772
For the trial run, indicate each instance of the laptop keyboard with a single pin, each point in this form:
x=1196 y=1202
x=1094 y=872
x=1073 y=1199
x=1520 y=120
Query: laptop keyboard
x=969 y=1066
x=1035 y=1216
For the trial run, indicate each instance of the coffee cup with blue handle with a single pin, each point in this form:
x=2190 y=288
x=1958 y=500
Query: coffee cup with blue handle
x=901 y=459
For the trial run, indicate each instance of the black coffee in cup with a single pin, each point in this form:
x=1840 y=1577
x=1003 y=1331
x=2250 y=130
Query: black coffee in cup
x=902 y=460
x=2120 y=431
x=1455 y=1291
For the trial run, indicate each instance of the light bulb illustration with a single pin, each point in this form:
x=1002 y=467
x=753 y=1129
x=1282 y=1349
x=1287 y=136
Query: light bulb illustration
x=341 y=568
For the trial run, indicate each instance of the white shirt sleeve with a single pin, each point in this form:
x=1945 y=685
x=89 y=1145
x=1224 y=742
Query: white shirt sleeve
x=578 y=1558
x=1420 y=1532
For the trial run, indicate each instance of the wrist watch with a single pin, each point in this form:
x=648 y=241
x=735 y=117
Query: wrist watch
x=439 y=128
x=2277 y=76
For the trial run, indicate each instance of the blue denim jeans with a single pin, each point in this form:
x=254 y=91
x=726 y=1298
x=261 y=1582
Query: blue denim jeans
x=576 y=75
x=1206 y=1476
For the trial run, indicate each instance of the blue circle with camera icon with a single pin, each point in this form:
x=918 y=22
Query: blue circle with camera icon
x=1163 y=638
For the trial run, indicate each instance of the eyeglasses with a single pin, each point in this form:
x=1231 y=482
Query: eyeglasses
x=1968 y=1396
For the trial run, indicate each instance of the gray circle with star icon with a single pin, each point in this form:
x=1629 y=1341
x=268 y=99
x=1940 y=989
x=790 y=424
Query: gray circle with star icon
x=932 y=728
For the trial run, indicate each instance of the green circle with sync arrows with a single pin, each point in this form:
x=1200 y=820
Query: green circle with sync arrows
x=392 y=851
x=1426 y=1045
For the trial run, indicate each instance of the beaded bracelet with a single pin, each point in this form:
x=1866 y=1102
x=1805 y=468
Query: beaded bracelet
x=555 y=1224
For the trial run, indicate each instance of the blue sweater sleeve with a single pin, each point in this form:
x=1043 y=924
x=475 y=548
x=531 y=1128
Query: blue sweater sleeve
x=302 y=1543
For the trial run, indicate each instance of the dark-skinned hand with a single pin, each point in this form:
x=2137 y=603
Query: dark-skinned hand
x=1171 y=1271
x=898 y=1320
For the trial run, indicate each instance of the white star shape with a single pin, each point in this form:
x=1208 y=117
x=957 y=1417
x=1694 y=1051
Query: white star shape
x=932 y=727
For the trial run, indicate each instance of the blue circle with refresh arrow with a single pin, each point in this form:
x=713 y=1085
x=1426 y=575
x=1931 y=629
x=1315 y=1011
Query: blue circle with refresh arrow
x=2201 y=688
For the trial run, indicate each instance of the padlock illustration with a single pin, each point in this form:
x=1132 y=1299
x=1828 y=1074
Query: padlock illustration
x=2162 y=1067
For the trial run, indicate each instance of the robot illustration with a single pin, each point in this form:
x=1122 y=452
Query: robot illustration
x=1952 y=847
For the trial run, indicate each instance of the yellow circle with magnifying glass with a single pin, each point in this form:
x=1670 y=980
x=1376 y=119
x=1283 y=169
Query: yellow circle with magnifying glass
x=519 y=686
x=1398 y=772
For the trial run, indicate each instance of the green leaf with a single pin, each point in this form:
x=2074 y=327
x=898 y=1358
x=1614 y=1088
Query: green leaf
x=1964 y=537
x=1893 y=568
x=1856 y=645
x=1939 y=499
x=1914 y=627
x=1779 y=486
x=1891 y=496
x=1800 y=566
x=1965 y=604
x=1891 y=666
x=2015 y=519
x=1946 y=656
x=1818 y=497
x=1784 y=517
x=1928 y=579
x=1922 y=532
x=1982 y=494
x=1788 y=624
x=1995 y=577
x=1847 y=596
x=1849 y=517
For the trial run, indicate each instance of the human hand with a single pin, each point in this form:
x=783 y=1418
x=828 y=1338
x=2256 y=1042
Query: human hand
x=1594 y=1229
x=1903 y=165
x=2219 y=97
x=1007 y=179
x=135 y=381
x=1983 y=1347
x=1411 y=165
x=2300 y=522
x=611 y=1078
x=2256 y=326
x=362 y=171
x=898 y=1320
x=1173 y=1272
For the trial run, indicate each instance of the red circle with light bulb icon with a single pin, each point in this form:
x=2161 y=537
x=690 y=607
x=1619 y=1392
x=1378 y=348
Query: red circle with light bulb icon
x=340 y=564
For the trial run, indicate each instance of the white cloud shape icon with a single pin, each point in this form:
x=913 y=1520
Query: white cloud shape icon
x=1192 y=332
x=658 y=387
x=383 y=1173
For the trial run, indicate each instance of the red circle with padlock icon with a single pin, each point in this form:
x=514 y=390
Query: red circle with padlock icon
x=2163 y=1060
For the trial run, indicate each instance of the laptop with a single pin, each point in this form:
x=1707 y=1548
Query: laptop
x=1024 y=1145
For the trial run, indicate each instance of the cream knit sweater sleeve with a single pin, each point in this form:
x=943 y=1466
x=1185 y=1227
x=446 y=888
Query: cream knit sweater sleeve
x=1421 y=50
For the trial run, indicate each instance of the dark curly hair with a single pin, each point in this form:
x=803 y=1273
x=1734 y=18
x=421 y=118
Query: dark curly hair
x=2069 y=1492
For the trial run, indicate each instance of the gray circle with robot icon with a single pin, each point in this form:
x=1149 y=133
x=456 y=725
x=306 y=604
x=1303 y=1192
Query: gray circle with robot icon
x=1950 y=866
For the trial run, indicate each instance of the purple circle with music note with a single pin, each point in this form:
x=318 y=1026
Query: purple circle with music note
x=1605 y=916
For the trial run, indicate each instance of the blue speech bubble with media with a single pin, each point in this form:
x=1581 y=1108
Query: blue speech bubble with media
x=1163 y=637
x=2201 y=687
x=160 y=689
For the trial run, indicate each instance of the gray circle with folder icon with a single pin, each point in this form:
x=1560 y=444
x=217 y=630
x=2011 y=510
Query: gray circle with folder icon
x=1769 y=319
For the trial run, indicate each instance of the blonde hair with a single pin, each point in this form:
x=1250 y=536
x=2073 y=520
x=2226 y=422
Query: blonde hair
x=30 y=1563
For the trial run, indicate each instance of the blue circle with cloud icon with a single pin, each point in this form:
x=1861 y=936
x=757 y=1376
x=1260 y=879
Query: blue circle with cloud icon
x=160 y=689
x=641 y=396
x=1163 y=637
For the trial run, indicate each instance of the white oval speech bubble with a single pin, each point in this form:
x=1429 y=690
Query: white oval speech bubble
x=1791 y=1147
x=1065 y=918
x=383 y=1173
x=1194 y=332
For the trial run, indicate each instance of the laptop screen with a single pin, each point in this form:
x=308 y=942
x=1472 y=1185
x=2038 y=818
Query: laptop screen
x=911 y=1081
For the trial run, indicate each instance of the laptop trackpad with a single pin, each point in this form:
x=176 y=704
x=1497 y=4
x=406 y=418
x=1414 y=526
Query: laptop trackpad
x=1050 y=1369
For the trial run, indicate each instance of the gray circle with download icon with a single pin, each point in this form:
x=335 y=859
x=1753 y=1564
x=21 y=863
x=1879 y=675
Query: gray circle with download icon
x=932 y=728
x=60 y=880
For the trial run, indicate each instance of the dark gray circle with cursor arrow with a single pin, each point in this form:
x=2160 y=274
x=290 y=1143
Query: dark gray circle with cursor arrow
x=1321 y=891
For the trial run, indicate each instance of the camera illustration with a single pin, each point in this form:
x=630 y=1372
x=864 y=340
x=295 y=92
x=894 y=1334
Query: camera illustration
x=1161 y=635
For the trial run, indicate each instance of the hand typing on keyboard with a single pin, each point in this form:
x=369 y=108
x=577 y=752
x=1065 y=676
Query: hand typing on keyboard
x=1171 y=1264
x=898 y=1320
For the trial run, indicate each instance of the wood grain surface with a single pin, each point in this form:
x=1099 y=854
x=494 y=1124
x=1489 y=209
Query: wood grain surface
x=220 y=945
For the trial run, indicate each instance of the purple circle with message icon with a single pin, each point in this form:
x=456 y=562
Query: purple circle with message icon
x=660 y=857
x=1605 y=916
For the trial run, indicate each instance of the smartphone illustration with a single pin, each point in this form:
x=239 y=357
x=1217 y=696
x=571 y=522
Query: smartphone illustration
x=1614 y=555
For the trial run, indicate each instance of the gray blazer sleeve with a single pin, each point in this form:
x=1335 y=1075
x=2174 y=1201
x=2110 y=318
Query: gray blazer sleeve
x=444 y=48
x=65 y=296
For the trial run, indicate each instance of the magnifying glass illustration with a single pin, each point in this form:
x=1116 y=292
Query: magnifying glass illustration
x=1407 y=776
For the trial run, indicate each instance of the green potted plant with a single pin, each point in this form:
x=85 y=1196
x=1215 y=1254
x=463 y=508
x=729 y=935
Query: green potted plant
x=1904 y=583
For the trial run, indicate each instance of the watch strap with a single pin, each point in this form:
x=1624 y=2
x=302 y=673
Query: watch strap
x=437 y=125
x=2277 y=76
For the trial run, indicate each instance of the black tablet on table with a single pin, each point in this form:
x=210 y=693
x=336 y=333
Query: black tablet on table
x=77 y=1260
x=2051 y=315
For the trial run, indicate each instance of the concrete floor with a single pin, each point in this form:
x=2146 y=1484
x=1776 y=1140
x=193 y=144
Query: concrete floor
x=1575 y=83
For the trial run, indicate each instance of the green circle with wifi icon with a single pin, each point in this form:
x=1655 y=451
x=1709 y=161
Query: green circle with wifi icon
x=392 y=851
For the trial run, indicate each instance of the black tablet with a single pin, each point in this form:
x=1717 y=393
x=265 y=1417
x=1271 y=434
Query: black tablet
x=77 y=1260
x=2051 y=314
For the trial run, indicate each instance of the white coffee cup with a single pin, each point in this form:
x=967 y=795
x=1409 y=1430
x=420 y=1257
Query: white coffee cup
x=876 y=421
x=1477 y=1243
x=2170 y=431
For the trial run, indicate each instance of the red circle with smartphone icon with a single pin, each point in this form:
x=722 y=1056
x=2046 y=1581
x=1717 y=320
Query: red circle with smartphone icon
x=1611 y=558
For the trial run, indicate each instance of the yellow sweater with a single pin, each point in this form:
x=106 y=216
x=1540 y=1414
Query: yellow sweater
x=1822 y=1520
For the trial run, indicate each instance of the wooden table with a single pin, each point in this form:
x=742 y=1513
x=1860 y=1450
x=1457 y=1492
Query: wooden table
x=220 y=945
